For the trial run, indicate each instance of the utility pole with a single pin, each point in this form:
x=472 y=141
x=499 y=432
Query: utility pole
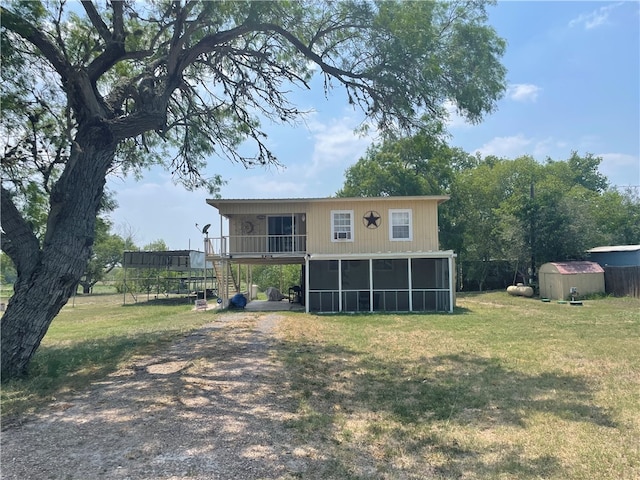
x=532 y=233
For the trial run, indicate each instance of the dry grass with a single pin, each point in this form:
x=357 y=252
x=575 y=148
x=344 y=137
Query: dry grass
x=92 y=337
x=506 y=388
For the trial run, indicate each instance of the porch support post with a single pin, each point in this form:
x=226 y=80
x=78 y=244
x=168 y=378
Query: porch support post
x=223 y=271
x=206 y=241
x=451 y=280
x=124 y=290
x=306 y=283
x=371 y=284
x=409 y=262
x=339 y=285
x=221 y=252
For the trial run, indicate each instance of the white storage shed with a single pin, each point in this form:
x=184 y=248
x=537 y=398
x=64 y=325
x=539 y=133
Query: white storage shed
x=558 y=278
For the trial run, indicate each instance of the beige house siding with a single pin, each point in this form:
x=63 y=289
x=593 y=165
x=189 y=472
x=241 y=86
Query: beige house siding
x=313 y=220
x=247 y=225
x=372 y=240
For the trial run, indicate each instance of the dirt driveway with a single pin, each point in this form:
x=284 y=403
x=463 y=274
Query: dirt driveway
x=213 y=405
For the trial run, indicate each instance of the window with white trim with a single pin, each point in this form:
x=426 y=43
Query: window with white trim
x=400 y=225
x=342 y=225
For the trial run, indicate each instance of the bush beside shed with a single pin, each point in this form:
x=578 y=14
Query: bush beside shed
x=558 y=278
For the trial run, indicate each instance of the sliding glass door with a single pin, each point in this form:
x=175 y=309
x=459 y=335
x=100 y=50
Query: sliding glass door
x=280 y=231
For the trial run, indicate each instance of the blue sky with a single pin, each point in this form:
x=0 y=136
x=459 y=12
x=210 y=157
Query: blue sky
x=574 y=84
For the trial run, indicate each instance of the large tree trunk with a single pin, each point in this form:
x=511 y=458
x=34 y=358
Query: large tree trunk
x=49 y=276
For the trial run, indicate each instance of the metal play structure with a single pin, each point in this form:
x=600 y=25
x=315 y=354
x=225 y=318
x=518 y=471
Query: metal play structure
x=168 y=274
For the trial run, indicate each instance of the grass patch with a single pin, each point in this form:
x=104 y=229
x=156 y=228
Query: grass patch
x=506 y=388
x=89 y=340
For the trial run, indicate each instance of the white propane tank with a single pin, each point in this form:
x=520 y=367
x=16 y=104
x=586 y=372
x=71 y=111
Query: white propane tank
x=520 y=290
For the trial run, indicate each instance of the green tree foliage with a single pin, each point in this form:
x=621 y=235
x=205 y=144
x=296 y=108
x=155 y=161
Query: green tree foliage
x=502 y=212
x=281 y=277
x=422 y=164
x=131 y=82
x=617 y=214
x=107 y=255
x=534 y=213
x=7 y=269
x=158 y=245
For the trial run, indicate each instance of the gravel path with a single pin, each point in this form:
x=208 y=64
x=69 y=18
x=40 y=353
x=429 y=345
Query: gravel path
x=213 y=405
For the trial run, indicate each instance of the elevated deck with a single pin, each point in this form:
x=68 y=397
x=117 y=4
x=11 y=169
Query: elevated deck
x=258 y=248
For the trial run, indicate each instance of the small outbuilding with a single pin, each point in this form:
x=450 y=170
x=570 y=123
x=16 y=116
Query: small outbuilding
x=557 y=279
x=621 y=265
x=616 y=255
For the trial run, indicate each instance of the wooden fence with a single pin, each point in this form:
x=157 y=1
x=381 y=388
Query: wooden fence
x=622 y=281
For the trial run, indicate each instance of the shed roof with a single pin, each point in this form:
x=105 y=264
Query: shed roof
x=615 y=248
x=571 y=268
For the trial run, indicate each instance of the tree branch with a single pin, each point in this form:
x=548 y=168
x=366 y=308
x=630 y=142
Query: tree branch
x=310 y=54
x=96 y=20
x=18 y=240
x=208 y=45
x=114 y=49
x=23 y=28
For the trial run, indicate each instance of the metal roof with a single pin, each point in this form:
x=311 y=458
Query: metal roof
x=571 y=268
x=215 y=202
x=615 y=248
x=176 y=260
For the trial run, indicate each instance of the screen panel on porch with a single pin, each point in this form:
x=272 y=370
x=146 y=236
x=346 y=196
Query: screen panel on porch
x=324 y=286
x=430 y=284
x=355 y=286
x=391 y=285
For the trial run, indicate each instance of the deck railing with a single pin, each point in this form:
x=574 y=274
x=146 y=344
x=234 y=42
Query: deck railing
x=257 y=245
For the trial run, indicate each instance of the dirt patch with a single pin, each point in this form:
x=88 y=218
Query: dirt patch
x=214 y=405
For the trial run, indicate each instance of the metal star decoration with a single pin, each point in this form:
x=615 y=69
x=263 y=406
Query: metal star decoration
x=371 y=219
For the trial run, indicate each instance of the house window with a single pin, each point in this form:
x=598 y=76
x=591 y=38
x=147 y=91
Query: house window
x=342 y=225
x=400 y=226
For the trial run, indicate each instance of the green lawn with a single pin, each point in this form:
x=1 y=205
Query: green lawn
x=90 y=338
x=506 y=387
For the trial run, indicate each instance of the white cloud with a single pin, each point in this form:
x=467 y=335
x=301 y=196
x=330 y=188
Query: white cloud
x=158 y=209
x=517 y=145
x=282 y=185
x=454 y=120
x=314 y=166
x=509 y=147
x=620 y=168
x=523 y=92
x=336 y=146
x=595 y=18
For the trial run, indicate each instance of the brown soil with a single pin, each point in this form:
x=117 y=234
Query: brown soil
x=213 y=405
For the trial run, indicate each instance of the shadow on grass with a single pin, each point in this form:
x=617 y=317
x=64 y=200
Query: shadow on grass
x=409 y=405
x=456 y=311
x=178 y=412
x=170 y=301
x=59 y=370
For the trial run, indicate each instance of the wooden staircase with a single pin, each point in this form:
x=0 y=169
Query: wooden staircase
x=226 y=280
